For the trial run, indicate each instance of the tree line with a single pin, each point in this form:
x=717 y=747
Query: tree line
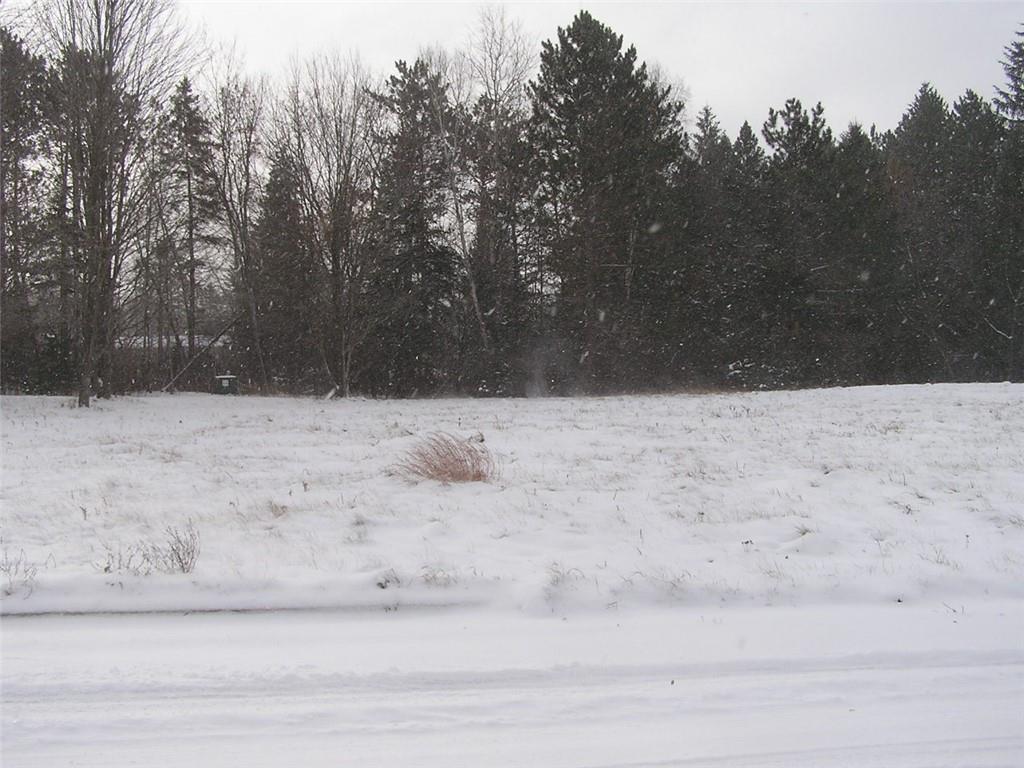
x=481 y=223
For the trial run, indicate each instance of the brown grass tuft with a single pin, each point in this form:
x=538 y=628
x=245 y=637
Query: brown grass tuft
x=448 y=459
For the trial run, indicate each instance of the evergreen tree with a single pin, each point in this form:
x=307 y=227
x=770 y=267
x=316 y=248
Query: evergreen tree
x=746 y=303
x=750 y=157
x=1004 y=308
x=918 y=162
x=288 y=278
x=1004 y=313
x=22 y=215
x=606 y=138
x=976 y=136
x=1010 y=100
x=415 y=279
x=710 y=145
x=800 y=189
x=864 y=254
x=467 y=231
x=703 y=325
x=188 y=155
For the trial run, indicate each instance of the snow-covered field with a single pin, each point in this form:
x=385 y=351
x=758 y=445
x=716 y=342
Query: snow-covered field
x=797 y=578
x=877 y=494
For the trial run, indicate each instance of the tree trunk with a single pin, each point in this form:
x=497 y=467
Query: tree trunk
x=87 y=363
x=1016 y=340
x=105 y=356
x=256 y=339
x=190 y=302
x=84 y=385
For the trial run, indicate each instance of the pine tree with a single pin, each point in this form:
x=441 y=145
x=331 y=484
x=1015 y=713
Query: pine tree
x=1005 y=314
x=605 y=137
x=976 y=137
x=710 y=145
x=750 y=157
x=704 y=326
x=798 y=139
x=22 y=217
x=189 y=157
x=745 y=303
x=799 y=190
x=918 y=159
x=1010 y=100
x=861 y=223
x=288 y=281
x=415 y=279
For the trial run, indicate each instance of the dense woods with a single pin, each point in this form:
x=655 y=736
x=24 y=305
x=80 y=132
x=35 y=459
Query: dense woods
x=484 y=222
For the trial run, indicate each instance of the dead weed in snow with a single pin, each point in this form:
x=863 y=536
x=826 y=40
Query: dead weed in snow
x=448 y=459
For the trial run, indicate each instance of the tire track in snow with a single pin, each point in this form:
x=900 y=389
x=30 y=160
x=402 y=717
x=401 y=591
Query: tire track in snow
x=446 y=690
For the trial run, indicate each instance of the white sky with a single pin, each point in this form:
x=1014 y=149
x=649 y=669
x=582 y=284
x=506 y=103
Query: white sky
x=863 y=61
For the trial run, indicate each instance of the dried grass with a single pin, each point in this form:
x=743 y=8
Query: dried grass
x=177 y=555
x=448 y=459
x=19 y=573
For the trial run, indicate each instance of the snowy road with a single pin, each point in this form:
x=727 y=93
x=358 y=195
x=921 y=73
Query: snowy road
x=898 y=685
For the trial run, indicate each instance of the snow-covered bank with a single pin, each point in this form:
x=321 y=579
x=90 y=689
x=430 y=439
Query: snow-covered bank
x=878 y=494
x=900 y=686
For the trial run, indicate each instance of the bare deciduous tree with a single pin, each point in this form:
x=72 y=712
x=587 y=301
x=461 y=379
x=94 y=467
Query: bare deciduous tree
x=450 y=106
x=115 y=59
x=500 y=59
x=236 y=123
x=326 y=125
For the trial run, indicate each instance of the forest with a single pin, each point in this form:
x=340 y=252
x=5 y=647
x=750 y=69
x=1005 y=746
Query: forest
x=491 y=221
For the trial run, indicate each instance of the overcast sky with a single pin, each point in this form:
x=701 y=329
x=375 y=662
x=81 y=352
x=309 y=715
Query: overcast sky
x=863 y=61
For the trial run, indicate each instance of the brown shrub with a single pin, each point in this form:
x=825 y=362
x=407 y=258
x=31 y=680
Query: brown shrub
x=448 y=459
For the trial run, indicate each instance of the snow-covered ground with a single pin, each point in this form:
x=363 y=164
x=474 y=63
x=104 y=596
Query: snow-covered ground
x=876 y=494
x=853 y=687
x=827 y=578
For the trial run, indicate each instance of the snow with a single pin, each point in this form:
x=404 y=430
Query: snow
x=895 y=686
x=849 y=495
x=828 y=578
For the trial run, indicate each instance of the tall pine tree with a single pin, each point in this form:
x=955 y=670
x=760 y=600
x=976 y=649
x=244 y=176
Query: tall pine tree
x=799 y=188
x=415 y=279
x=22 y=219
x=1005 y=313
x=289 y=282
x=189 y=158
x=606 y=138
x=918 y=162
